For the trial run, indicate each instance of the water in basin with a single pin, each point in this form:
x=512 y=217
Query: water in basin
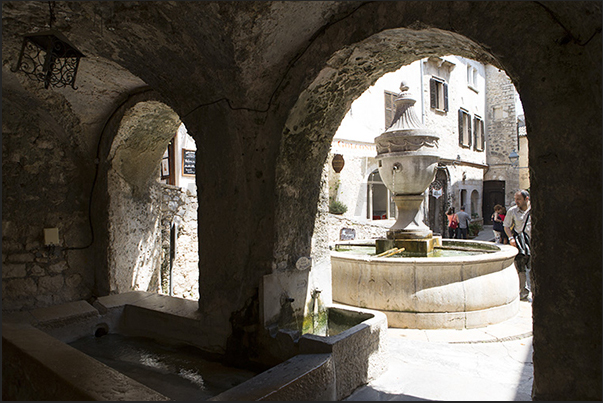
x=366 y=250
x=335 y=321
x=176 y=371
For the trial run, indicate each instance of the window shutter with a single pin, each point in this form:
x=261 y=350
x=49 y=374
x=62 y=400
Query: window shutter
x=481 y=122
x=469 y=129
x=460 y=127
x=433 y=93
x=445 y=97
x=475 y=139
x=389 y=109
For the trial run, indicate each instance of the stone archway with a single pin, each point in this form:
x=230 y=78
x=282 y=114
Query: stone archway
x=127 y=195
x=312 y=123
x=134 y=254
x=438 y=202
x=322 y=105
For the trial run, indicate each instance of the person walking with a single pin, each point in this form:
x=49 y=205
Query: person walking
x=453 y=223
x=464 y=220
x=497 y=227
x=502 y=214
x=516 y=221
x=497 y=224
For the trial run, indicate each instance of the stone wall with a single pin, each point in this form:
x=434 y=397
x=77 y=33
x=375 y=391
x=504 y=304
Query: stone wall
x=501 y=120
x=349 y=186
x=43 y=186
x=364 y=229
x=179 y=206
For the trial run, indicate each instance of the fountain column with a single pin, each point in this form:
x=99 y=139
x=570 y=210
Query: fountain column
x=408 y=156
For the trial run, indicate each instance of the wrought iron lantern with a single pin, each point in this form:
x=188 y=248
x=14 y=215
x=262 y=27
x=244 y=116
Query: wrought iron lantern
x=49 y=58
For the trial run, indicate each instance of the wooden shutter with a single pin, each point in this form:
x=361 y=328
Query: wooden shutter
x=433 y=93
x=483 y=135
x=469 y=129
x=445 y=96
x=389 y=108
x=475 y=139
x=460 y=127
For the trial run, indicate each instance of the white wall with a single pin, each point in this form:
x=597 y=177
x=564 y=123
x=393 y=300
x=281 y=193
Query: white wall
x=366 y=120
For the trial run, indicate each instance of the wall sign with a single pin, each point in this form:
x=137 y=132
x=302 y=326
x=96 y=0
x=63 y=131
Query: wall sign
x=347 y=234
x=188 y=162
x=337 y=163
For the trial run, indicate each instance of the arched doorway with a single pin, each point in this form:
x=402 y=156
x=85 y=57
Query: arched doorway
x=475 y=201
x=380 y=202
x=494 y=193
x=134 y=214
x=438 y=202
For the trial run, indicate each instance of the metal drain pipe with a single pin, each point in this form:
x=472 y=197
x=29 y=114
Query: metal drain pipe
x=173 y=244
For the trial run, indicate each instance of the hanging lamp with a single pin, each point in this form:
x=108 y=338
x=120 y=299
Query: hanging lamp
x=49 y=57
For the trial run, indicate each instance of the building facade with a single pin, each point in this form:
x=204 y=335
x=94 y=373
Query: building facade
x=471 y=106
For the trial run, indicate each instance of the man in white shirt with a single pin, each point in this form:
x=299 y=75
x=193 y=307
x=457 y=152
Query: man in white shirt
x=515 y=220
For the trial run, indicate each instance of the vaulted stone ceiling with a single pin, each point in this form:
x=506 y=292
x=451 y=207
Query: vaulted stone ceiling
x=129 y=45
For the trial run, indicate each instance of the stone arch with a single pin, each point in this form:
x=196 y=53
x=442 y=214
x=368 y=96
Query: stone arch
x=128 y=194
x=475 y=202
x=134 y=257
x=548 y=82
x=438 y=206
x=320 y=108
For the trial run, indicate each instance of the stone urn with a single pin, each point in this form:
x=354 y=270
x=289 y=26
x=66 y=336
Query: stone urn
x=407 y=153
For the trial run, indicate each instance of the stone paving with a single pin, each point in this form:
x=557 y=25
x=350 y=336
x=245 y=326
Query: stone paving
x=493 y=363
x=488 y=364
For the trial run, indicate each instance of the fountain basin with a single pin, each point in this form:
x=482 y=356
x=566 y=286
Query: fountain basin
x=454 y=292
x=40 y=363
x=325 y=367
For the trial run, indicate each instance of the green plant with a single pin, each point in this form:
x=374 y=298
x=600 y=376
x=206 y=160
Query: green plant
x=337 y=207
x=475 y=228
x=333 y=190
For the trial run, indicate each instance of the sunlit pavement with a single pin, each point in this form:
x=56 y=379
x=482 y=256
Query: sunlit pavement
x=490 y=363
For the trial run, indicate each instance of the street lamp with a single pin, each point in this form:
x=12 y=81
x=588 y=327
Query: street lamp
x=514 y=158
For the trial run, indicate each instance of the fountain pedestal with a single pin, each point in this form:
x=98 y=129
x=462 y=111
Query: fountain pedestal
x=409 y=231
x=418 y=247
x=408 y=158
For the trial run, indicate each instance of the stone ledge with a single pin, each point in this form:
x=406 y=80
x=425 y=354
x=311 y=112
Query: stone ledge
x=301 y=378
x=32 y=358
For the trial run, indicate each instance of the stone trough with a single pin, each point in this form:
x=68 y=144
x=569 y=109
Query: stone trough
x=40 y=363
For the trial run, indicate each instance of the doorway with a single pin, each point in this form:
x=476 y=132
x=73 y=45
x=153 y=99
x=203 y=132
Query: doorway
x=494 y=193
x=380 y=201
x=438 y=200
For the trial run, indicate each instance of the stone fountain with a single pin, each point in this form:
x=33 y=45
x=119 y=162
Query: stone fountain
x=408 y=157
x=432 y=284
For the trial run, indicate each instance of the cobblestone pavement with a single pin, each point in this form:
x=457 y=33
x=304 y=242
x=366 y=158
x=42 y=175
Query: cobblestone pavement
x=493 y=363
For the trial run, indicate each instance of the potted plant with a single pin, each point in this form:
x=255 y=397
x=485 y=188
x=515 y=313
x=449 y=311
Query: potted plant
x=475 y=228
x=337 y=207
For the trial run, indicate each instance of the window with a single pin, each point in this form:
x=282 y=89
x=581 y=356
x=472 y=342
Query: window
x=474 y=204
x=463 y=198
x=472 y=77
x=478 y=134
x=390 y=108
x=464 y=128
x=438 y=90
x=497 y=112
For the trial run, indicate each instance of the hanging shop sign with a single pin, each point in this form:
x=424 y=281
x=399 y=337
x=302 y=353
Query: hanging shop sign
x=338 y=163
x=188 y=162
